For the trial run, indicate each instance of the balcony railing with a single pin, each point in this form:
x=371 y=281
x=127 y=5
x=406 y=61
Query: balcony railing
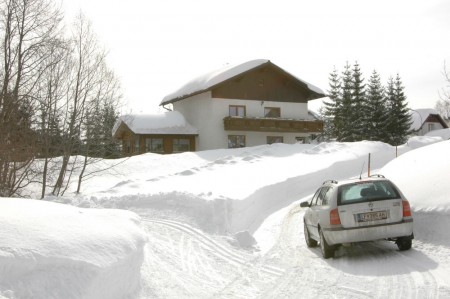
x=282 y=125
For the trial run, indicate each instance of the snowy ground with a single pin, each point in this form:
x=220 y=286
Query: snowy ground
x=227 y=224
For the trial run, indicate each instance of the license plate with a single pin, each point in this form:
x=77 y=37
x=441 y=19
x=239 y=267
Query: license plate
x=372 y=216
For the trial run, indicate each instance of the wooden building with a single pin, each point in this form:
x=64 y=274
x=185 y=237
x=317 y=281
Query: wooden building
x=161 y=133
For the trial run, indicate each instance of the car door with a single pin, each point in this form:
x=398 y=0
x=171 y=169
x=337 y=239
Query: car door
x=315 y=211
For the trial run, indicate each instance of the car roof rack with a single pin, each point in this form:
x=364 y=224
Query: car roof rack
x=377 y=176
x=330 y=181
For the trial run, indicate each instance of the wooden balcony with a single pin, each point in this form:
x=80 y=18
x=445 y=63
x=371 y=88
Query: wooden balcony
x=282 y=125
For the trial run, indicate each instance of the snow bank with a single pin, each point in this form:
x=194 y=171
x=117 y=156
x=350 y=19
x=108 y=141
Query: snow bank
x=420 y=141
x=231 y=190
x=424 y=176
x=50 y=250
x=444 y=133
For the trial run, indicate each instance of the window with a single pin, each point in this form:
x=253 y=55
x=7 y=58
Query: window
x=322 y=196
x=272 y=112
x=181 y=145
x=127 y=145
x=236 y=110
x=327 y=196
x=431 y=127
x=154 y=145
x=136 y=145
x=235 y=141
x=274 y=139
x=366 y=191
x=301 y=139
x=314 y=199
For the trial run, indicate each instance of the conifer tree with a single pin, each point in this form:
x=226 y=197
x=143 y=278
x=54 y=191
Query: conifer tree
x=330 y=111
x=375 y=110
x=358 y=105
x=344 y=131
x=399 y=120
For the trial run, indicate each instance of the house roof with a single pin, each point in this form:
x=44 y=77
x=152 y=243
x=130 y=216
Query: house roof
x=208 y=81
x=167 y=123
x=419 y=117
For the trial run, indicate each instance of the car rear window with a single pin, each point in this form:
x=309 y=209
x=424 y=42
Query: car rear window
x=364 y=191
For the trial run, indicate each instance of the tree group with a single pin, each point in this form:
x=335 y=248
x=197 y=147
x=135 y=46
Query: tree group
x=58 y=97
x=357 y=111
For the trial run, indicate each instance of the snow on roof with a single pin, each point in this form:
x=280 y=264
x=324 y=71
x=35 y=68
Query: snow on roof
x=207 y=81
x=418 y=117
x=170 y=122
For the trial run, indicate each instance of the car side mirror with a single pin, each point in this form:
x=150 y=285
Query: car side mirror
x=304 y=204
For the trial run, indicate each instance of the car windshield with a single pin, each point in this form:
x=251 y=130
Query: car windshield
x=366 y=191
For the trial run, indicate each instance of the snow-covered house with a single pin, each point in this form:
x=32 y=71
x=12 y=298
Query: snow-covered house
x=156 y=133
x=248 y=104
x=426 y=120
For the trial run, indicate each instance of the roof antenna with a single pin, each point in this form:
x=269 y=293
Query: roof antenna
x=362 y=169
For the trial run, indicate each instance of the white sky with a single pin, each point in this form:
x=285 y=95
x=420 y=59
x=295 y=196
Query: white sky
x=157 y=46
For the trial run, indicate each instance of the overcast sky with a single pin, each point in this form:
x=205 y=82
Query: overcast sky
x=155 y=46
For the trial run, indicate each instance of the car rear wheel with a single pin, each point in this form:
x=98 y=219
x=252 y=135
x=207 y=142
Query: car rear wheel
x=327 y=250
x=310 y=242
x=404 y=243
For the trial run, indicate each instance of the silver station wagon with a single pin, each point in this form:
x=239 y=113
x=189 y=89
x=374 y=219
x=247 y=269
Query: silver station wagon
x=357 y=210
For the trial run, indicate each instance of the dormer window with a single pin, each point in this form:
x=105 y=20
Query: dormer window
x=272 y=112
x=237 y=110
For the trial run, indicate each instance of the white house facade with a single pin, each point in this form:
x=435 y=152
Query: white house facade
x=207 y=114
x=250 y=104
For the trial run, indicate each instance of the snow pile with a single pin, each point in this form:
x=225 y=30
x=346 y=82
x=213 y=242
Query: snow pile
x=424 y=176
x=444 y=133
x=419 y=141
x=230 y=190
x=50 y=250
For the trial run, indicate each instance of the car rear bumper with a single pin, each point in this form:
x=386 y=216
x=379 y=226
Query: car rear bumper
x=339 y=235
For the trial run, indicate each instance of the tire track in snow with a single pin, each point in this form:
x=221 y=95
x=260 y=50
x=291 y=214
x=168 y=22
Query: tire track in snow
x=389 y=273
x=171 y=263
x=235 y=258
x=207 y=267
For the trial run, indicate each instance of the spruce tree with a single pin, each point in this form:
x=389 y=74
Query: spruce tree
x=375 y=110
x=358 y=114
x=399 y=120
x=330 y=111
x=344 y=129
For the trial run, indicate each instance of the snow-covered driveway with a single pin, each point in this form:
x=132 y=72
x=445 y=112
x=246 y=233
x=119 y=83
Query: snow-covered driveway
x=184 y=262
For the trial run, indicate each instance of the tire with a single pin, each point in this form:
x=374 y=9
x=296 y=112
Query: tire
x=327 y=250
x=404 y=243
x=309 y=242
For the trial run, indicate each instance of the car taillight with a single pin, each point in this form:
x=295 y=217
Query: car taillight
x=406 y=209
x=334 y=217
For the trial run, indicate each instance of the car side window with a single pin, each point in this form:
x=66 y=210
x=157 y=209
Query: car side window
x=314 y=199
x=321 y=196
x=326 y=198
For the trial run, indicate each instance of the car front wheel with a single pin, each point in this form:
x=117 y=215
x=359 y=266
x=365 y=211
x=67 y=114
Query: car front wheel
x=310 y=242
x=327 y=250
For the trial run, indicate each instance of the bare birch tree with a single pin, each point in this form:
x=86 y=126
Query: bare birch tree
x=443 y=105
x=92 y=86
x=27 y=29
